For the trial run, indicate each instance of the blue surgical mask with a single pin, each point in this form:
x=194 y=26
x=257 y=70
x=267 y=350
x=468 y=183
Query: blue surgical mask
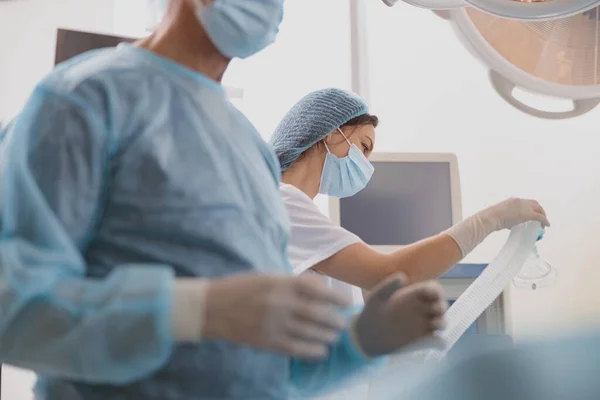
x=344 y=177
x=240 y=28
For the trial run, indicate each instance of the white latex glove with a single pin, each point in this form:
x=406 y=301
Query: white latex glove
x=396 y=315
x=469 y=233
x=295 y=316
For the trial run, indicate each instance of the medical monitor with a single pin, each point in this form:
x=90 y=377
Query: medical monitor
x=411 y=196
x=70 y=43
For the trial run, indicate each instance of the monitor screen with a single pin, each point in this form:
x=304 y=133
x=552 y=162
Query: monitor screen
x=404 y=202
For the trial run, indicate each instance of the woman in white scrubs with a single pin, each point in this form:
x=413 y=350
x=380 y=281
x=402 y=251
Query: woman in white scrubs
x=323 y=145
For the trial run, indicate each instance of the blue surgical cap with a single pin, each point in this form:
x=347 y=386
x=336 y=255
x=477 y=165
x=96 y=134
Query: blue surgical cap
x=311 y=120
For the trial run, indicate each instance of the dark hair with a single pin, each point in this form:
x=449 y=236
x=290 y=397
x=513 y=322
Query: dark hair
x=362 y=120
x=356 y=122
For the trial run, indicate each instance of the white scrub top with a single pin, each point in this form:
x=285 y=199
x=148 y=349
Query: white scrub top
x=314 y=237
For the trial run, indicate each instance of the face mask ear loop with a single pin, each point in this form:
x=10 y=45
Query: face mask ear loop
x=326 y=147
x=344 y=136
x=199 y=7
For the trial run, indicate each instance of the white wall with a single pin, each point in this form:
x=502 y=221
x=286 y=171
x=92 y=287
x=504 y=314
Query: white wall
x=134 y=18
x=27 y=45
x=432 y=96
x=28 y=38
x=312 y=51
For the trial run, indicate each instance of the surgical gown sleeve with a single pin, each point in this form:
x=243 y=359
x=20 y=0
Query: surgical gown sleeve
x=345 y=362
x=54 y=320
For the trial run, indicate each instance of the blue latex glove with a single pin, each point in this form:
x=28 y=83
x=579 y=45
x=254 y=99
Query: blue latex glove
x=542 y=233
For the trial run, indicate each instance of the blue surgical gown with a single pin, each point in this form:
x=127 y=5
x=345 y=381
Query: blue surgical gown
x=123 y=171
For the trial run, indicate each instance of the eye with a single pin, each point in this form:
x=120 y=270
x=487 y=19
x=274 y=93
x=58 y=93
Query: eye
x=365 y=148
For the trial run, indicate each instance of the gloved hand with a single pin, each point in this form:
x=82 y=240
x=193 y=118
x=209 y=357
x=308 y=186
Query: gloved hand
x=395 y=316
x=294 y=316
x=469 y=233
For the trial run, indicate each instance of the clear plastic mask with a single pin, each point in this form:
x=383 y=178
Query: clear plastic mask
x=536 y=273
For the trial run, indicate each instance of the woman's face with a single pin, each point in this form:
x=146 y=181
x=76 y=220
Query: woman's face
x=362 y=137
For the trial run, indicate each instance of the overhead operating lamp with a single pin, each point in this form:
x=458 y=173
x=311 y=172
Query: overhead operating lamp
x=430 y=4
x=549 y=48
x=523 y=10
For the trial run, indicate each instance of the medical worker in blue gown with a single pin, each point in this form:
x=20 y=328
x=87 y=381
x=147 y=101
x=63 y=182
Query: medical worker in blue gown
x=143 y=238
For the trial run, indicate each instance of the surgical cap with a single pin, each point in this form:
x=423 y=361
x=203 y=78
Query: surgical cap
x=311 y=120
